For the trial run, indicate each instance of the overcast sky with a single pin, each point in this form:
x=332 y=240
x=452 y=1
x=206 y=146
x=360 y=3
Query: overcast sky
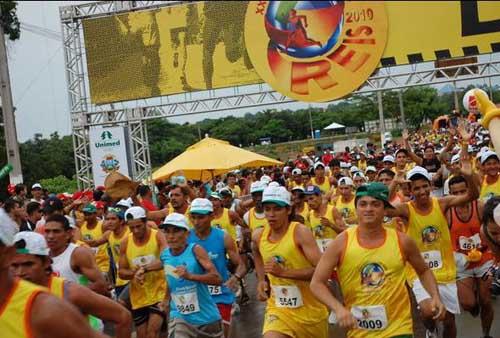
x=37 y=75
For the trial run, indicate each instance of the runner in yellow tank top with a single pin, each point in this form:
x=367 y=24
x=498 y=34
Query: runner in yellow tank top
x=28 y=310
x=300 y=206
x=138 y=253
x=370 y=260
x=251 y=218
x=325 y=221
x=490 y=185
x=320 y=179
x=296 y=179
x=344 y=201
x=90 y=235
x=32 y=263
x=224 y=218
x=427 y=225
x=286 y=253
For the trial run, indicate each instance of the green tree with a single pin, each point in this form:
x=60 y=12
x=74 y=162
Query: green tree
x=59 y=184
x=9 y=20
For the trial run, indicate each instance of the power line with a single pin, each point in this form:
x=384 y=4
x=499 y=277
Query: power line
x=41 y=31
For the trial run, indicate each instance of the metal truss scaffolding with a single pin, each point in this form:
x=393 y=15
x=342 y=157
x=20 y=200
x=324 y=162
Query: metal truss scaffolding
x=134 y=114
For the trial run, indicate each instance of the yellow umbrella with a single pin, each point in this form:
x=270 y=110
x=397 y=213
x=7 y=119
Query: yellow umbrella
x=211 y=157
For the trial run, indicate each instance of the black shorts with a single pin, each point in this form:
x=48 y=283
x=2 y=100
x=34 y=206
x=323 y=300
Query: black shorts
x=141 y=315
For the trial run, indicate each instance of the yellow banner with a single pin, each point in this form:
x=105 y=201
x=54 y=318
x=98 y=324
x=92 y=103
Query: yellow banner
x=170 y=50
x=200 y=46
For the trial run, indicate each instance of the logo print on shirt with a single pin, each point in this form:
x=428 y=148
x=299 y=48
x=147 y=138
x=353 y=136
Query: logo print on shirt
x=372 y=275
x=430 y=234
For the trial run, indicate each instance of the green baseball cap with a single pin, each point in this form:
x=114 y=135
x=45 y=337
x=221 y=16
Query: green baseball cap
x=90 y=208
x=376 y=190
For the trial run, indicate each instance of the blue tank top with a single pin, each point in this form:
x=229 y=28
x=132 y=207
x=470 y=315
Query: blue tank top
x=214 y=245
x=190 y=301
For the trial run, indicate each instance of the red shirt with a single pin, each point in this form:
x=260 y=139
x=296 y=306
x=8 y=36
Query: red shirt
x=148 y=205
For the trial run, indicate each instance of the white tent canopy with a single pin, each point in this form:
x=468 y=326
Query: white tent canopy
x=334 y=125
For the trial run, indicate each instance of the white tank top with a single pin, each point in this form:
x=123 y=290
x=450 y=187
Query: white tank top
x=61 y=265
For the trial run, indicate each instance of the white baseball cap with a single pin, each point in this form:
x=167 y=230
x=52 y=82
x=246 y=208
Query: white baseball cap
x=34 y=243
x=175 y=219
x=371 y=168
x=298 y=188
x=257 y=186
x=346 y=181
x=317 y=164
x=297 y=171
x=286 y=169
x=354 y=169
x=345 y=165
x=417 y=170
x=488 y=154
x=36 y=186
x=201 y=206
x=266 y=179
x=133 y=213
x=388 y=158
x=125 y=203
x=278 y=195
x=455 y=159
x=359 y=174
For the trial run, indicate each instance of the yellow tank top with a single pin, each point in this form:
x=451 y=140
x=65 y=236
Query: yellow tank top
x=254 y=222
x=114 y=243
x=15 y=315
x=305 y=215
x=290 y=298
x=153 y=289
x=319 y=231
x=489 y=190
x=347 y=210
x=56 y=286
x=292 y=184
x=324 y=187
x=101 y=253
x=224 y=223
x=433 y=239
x=373 y=284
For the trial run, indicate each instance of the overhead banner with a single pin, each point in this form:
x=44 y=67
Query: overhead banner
x=314 y=50
x=174 y=49
x=199 y=46
x=108 y=151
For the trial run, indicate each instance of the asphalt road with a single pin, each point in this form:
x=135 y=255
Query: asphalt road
x=248 y=322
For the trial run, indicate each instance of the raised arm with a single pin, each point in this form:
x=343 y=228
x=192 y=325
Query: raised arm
x=418 y=160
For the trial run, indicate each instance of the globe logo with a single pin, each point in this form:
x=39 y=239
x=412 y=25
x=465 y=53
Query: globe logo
x=304 y=29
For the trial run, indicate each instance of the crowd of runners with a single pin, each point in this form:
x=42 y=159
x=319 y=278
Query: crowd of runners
x=349 y=239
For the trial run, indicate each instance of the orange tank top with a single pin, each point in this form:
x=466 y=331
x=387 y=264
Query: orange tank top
x=465 y=236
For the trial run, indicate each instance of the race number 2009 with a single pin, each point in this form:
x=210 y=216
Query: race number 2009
x=370 y=324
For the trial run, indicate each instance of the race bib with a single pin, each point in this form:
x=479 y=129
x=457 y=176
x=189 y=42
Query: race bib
x=469 y=243
x=143 y=260
x=215 y=290
x=370 y=318
x=288 y=296
x=323 y=243
x=186 y=303
x=433 y=259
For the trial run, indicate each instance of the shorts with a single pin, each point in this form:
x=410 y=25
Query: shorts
x=142 y=314
x=124 y=297
x=119 y=290
x=225 y=312
x=477 y=272
x=448 y=293
x=178 y=328
x=286 y=325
